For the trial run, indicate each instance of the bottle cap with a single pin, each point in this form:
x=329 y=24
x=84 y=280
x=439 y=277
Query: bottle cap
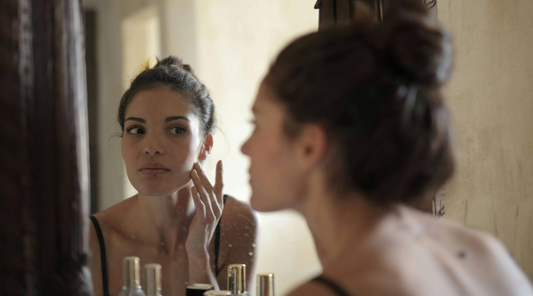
x=237 y=278
x=132 y=274
x=153 y=279
x=265 y=284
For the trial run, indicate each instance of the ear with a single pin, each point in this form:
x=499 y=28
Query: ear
x=312 y=145
x=206 y=147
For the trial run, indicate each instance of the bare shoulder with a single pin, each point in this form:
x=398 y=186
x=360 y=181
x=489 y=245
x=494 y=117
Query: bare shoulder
x=457 y=235
x=357 y=287
x=239 y=224
x=115 y=221
x=450 y=233
x=239 y=213
x=238 y=236
x=109 y=222
x=485 y=258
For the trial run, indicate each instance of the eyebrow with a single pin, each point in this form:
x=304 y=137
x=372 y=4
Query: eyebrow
x=172 y=118
x=135 y=119
x=168 y=119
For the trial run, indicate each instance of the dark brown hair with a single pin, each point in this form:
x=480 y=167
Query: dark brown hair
x=376 y=89
x=171 y=72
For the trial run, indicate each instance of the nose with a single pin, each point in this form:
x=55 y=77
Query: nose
x=151 y=152
x=153 y=146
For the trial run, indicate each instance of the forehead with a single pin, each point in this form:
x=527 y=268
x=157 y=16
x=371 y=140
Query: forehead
x=159 y=101
x=266 y=104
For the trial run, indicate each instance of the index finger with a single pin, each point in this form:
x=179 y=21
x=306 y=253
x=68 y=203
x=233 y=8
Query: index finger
x=219 y=184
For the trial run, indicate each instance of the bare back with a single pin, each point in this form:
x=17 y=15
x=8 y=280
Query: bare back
x=427 y=256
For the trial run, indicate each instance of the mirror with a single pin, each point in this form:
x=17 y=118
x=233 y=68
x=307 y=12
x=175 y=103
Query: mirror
x=229 y=44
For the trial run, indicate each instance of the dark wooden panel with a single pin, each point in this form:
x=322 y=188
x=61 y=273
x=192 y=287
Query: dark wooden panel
x=15 y=264
x=92 y=101
x=44 y=194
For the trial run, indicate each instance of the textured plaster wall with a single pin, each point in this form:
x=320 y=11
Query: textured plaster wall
x=491 y=97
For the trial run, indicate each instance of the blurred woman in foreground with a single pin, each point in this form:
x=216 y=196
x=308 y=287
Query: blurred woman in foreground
x=350 y=128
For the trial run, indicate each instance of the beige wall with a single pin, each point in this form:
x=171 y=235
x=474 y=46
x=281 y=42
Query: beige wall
x=491 y=96
x=110 y=78
x=237 y=40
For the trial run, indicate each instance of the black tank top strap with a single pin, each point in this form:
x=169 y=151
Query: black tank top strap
x=331 y=284
x=217 y=239
x=103 y=258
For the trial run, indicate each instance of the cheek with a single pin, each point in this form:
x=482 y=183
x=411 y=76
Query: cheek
x=183 y=152
x=273 y=176
x=128 y=151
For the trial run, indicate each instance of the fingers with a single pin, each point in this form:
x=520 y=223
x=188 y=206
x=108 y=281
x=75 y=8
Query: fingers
x=219 y=183
x=203 y=178
x=200 y=206
x=212 y=210
x=215 y=193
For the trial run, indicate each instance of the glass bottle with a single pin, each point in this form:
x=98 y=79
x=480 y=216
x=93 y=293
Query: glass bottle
x=132 y=277
x=152 y=274
x=265 y=284
x=237 y=279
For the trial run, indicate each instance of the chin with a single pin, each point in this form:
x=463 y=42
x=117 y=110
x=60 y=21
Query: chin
x=161 y=188
x=262 y=204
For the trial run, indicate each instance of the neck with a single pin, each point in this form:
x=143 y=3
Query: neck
x=340 y=225
x=163 y=221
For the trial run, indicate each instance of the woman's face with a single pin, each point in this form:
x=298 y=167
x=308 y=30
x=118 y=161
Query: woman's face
x=275 y=176
x=162 y=140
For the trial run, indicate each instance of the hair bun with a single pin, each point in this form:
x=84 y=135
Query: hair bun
x=173 y=61
x=419 y=49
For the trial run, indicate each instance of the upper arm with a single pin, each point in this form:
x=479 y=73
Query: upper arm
x=239 y=232
x=95 y=263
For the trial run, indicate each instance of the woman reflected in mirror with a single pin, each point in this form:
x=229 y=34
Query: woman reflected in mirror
x=351 y=127
x=178 y=219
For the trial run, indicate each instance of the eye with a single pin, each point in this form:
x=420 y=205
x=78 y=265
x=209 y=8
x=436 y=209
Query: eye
x=135 y=130
x=177 y=130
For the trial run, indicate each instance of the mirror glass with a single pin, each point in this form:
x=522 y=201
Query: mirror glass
x=230 y=45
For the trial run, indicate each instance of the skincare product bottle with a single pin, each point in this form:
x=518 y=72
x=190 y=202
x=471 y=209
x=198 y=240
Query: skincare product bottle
x=132 y=278
x=265 y=284
x=237 y=279
x=152 y=274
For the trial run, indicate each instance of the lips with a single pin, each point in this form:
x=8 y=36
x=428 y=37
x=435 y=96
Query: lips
x=154 y=168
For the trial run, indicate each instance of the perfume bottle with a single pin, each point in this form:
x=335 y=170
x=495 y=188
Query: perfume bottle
x=237 y=279
x=265 y=284
x=132 y=277
x=152 y=274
